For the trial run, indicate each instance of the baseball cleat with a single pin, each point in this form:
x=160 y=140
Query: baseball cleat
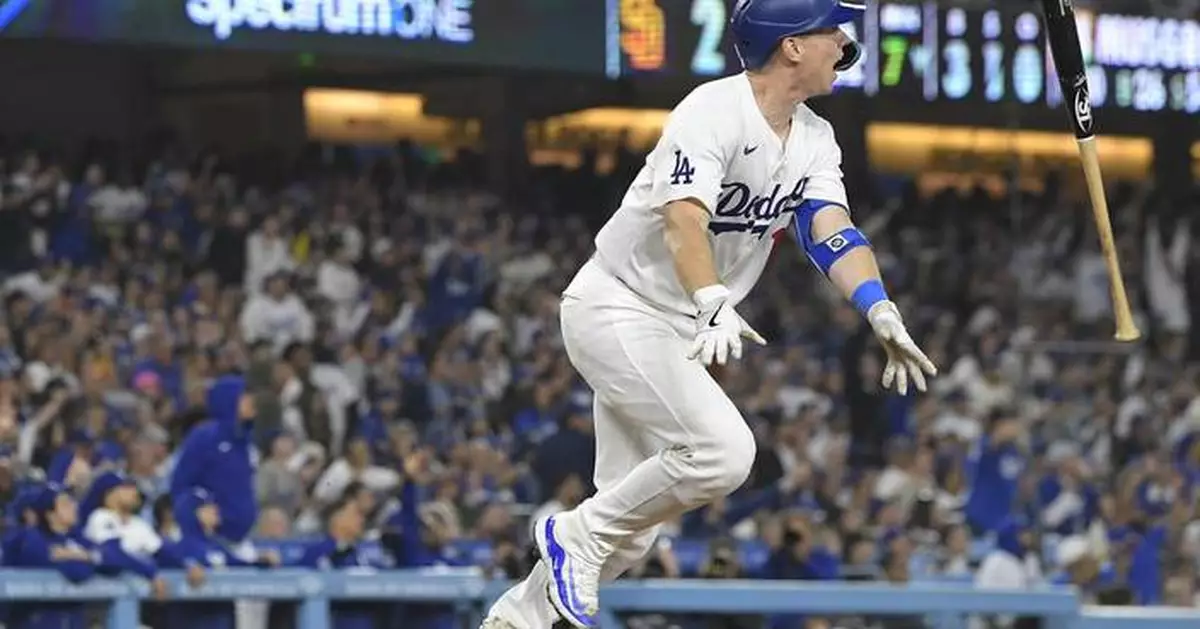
x=574 y=583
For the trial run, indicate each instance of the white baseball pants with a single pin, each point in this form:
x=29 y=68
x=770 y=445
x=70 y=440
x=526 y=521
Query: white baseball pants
x=668 y=439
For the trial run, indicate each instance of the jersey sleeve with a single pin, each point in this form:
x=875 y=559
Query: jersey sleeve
x=825 y=183
x=689 y=160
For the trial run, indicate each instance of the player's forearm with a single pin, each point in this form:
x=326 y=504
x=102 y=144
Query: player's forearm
x=856 y=267
x=686 y=235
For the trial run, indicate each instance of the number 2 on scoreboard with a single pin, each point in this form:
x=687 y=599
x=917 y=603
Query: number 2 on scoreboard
x=709 y=15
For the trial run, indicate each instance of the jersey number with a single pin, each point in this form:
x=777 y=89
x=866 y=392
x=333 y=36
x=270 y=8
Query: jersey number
x=683 y=170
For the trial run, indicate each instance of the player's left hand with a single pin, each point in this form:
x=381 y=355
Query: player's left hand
x=905 y=360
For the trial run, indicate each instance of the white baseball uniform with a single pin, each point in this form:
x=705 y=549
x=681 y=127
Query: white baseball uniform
x=668 y=438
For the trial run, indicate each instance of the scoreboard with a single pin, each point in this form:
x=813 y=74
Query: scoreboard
x=927 y=52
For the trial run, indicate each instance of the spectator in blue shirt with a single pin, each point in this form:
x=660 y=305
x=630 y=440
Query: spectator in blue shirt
x=994 y=470
x=413 y=543
x=56 y=543
x=1068 y=501
x=199 y=548
x=339 y=549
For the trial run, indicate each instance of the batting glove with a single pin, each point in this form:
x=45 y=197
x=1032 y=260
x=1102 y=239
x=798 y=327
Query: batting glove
x=719 y=329
x=905 y=361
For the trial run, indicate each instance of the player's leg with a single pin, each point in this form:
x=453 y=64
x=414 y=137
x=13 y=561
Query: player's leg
x=618 y=450
x=637 y=361
x=524 y=605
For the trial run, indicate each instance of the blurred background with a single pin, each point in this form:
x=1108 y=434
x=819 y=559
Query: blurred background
x=367 y=209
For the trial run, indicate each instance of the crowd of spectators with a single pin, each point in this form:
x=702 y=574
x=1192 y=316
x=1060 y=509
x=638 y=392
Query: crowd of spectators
x=375 y=335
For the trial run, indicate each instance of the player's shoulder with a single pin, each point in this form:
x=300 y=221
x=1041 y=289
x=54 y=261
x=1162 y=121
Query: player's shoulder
x=712 y=98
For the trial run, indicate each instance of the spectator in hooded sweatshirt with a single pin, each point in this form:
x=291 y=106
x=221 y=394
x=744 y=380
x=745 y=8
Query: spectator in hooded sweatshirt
x=216 y=457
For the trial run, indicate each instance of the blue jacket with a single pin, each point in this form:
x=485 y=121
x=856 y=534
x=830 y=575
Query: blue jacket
x=35 y=552
x=994 y=470
x=1049 y=490
x=1145 y=572
x=215 y=457
x=197 y=548
x=819 y=565
x=402 y=540
x=329 y=554
x=15 y=525
x=1008 y=537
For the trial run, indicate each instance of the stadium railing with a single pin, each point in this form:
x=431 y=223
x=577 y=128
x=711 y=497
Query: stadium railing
x=944 y=605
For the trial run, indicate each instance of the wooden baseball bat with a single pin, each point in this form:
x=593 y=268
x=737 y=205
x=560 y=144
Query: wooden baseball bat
x=1063 y=35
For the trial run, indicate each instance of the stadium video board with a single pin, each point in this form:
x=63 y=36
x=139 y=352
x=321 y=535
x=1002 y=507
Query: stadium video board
x=923 y=52
x=568 y=36
x=915 y=52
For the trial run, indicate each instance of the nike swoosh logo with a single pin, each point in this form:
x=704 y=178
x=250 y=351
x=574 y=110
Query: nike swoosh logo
x=712 y=323
x=749 y=149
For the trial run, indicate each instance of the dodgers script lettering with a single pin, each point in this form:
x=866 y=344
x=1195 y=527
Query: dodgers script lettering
x=756 y=212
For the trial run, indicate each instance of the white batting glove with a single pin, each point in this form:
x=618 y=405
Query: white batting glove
x=719 y=329
x=905 y=360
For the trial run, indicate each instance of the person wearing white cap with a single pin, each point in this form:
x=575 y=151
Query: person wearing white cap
x=1075 y=557
x=1079 y=562
x=1013 y=565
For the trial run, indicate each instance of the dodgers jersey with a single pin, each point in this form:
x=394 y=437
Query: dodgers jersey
x=717 y=148
x=137 y=537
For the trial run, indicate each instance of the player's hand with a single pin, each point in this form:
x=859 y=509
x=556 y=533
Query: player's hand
x=719 y=331
x=905 y=361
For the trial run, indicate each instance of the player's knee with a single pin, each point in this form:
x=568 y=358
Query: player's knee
x=725 y=462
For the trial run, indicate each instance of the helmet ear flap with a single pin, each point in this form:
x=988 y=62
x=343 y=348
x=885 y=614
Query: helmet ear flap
x=851 y=53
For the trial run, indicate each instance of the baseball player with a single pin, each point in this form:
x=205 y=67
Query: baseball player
x=740 y=160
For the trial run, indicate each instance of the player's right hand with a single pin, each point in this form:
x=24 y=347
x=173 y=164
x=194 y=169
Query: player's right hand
x=719 y=329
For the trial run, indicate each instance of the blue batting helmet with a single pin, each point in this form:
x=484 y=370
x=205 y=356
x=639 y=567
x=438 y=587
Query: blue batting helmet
x=759 y=26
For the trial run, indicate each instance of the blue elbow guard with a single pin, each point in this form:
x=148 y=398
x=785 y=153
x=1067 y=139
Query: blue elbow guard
x=825 y=253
